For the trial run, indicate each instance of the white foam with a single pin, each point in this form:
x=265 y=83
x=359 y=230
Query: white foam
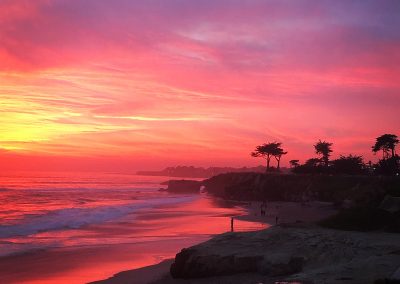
x=72 y=218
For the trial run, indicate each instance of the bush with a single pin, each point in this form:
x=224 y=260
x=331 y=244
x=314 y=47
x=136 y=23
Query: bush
x=363 y=219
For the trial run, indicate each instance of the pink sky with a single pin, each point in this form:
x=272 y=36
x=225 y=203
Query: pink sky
x=113 y=85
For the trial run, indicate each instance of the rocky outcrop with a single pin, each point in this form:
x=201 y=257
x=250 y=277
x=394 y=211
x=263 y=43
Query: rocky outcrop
x=390 y=204
x=396 y=275
x=357 y=190
x=184 y=186
x=294 y=252
x=190 y=264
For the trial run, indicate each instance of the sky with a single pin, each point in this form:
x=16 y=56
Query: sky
x=114 y=85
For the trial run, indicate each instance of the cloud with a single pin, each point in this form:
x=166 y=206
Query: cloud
x=93 y=77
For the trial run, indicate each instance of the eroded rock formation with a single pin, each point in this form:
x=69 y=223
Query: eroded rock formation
x=295 y=252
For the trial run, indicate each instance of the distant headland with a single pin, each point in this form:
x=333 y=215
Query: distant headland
x=200 y=172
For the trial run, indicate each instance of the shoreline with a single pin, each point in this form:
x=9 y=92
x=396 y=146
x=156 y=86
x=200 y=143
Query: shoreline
x=146 y=274
x=289 y=212
x=300 y=253
x=146 y=238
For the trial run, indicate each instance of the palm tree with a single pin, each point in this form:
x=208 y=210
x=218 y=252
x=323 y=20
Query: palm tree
x=324 y=149
x=387 y=143
x=269 y=150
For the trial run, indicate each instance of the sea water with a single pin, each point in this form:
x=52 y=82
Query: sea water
x=115 y=221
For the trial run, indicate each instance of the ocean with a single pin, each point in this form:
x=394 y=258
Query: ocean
x=65 y=227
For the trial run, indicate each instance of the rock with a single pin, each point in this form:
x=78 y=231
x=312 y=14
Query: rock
x=248 y=263
x=396 y=275
x=189 y=264
x=390 y=204
x=347 y=203
x=294 y=265
x=184 y=186
x=247 y=186
x=178 y=267
x=297 y=251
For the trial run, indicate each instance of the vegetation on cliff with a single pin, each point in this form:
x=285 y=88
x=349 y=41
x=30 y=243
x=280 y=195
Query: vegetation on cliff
x=364 y=218
x=199 y=172
x=362 y=190
x=350 y=164
x=358 y=197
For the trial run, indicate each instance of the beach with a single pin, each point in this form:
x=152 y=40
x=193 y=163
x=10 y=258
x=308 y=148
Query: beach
x=288 y=212
x=199 y=141
x=121 y=229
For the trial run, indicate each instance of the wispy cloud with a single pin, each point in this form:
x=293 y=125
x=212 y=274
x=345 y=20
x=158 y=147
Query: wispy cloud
x=87 y=78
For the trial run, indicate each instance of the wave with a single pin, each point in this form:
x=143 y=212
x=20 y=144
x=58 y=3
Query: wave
x=73 y=218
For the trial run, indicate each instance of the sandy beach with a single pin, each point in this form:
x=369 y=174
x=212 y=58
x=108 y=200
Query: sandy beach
x=199 y=141
x=144 y=237
x=288 y=212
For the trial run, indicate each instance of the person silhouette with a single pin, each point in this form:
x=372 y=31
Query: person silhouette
x=263 y=208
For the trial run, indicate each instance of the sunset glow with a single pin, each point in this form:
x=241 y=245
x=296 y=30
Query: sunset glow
x=110 y=84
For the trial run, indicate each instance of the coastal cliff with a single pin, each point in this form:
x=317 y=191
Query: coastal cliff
x=294 y=252
x=184 y=186
x=360 y=190
x=353 y=245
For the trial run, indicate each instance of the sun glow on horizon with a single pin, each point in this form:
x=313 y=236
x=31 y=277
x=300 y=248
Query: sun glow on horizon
x=200 y=89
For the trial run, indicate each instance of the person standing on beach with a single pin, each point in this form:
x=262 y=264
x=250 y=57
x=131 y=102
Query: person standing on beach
x=263 y=208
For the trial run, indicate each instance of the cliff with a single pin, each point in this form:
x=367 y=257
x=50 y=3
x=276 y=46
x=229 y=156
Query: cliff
x=184 y=186
x=294 y=252
x=199 y=172
x=361 y=190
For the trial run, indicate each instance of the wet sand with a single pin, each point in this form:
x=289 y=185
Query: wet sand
x=159 y=274
x=288 y=212
x=148 y=237
x=82 y=265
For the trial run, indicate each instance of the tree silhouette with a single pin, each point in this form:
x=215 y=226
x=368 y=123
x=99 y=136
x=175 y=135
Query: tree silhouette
x=269 y=150
x=278 y=155
x=387 y=143
x=312 y=162
x=311 y=166
x=294 y=163
x=324 y=149
x=350 y=165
